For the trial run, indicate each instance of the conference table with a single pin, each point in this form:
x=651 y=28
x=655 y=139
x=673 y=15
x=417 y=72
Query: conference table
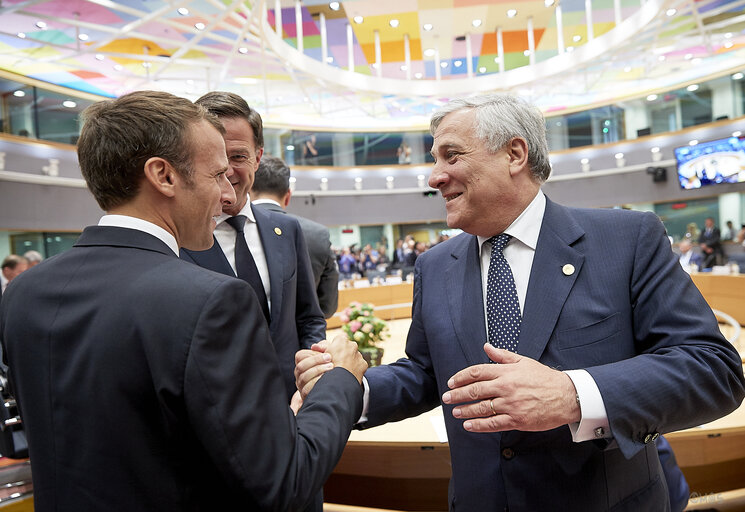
x=406 y=465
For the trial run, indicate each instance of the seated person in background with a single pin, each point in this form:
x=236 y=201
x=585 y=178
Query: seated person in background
x=347 y=264
x=688 y=257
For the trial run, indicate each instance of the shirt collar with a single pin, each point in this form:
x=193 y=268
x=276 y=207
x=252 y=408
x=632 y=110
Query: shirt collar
x=527 y=226
x=125 y=221
x=266 y=201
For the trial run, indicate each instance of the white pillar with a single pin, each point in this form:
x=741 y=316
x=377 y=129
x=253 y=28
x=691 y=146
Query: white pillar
x=559 y=30
x=299 y=25
x=350 y=48
x=278 y=18
x=531 y=41
x=324 y=39
x=588 y=15
x=500 y=49
x=378 y=55
x=407 y=56
x=469 y=56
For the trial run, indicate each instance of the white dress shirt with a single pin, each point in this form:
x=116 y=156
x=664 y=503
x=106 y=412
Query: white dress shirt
x=225 y=236
x=125 y=221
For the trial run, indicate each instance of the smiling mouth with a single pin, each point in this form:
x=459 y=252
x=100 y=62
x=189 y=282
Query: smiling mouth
x=450 y=197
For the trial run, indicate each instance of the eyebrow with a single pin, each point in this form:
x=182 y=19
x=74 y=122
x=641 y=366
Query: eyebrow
x=445 y=146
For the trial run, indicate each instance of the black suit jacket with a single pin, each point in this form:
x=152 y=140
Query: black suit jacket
x=296 y=318
x=148 y=383
x=322 y=260
x=713 y=240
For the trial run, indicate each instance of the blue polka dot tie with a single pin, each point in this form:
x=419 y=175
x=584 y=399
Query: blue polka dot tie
x=502 y=306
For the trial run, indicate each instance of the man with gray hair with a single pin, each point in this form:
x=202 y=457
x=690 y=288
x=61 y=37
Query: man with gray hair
x=271 y=190
x=33 y=258
x=603 y=342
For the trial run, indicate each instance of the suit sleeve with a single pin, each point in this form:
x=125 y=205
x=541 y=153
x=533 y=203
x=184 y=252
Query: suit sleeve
x=311 y=324
x=407 y=387
x=679 y=347
x=236 y=401
x=328 y=286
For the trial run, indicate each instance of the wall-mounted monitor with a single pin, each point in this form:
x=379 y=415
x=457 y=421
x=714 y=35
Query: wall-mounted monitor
x=712 y=162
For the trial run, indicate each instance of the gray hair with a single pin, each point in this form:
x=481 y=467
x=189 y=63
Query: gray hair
x=500 y=118
x=33 y=256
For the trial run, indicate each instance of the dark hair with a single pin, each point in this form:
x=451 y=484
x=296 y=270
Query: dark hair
x=272 y=176
x=228 y=104
x=12 y=261
x=120 y=135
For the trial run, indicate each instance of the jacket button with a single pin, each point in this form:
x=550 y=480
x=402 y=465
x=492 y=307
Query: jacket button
x=508 y=453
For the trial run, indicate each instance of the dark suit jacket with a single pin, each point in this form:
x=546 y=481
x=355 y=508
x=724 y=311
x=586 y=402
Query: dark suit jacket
x=712 y=240
x=296 y=319
x=146 y=383
x=322 y=260
x=628 y=314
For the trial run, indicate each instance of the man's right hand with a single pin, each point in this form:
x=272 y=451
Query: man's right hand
x=311 y=364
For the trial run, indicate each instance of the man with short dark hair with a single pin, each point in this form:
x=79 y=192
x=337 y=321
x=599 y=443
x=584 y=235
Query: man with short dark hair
x=12 y=266
x=264 y=248
x=148 y=383
x=271 y=190
x=603 y=342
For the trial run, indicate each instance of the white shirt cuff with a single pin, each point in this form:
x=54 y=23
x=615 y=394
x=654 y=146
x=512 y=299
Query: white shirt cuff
x=365 y=401
x=594 y=422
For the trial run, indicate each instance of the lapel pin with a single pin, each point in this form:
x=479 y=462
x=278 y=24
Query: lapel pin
x=568 y=269
x=278 y=231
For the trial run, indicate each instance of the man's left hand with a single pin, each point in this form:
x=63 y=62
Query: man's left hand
x=519 y=393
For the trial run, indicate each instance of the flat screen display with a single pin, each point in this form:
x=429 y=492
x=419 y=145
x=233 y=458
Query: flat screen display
x=712 y=162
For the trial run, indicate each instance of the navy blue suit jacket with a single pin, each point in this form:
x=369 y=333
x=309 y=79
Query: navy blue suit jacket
x=147 y=383
x=296 y=318
x=628 y=314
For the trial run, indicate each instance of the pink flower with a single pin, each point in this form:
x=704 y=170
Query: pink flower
x=353 y=326
x=366 y=313
x=347 y=312
x=344 y=318
x=367 y=328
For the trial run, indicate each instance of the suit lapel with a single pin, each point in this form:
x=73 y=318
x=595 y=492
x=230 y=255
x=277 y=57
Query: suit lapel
x=213 y=259
x=551 y=279
x=465 y=298
x=276 y=258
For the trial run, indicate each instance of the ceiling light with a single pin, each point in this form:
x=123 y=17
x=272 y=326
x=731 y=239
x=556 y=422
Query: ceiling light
x=570 y=49
x=22 y=35
x=627 y=69
x=497 y=60
x=618 y=156
x=417 y=75
x=696 y=61
x=692 y=87
x=389 y=178
x=688 y=56
x=576 y=38
x=671 y=12
x=118 y=67
x=737 y=76
x=393 y=23
x=69 y=104
x=330 y=59
x=292 y=179
x=324 y=180
x=429 y=52
x=526 y=53
x=19 y=94
x=427 y=27
x=736 y=133
x=243 y=50
x=585 y=161
x=692 y=142
x=482 y=69
x=511 y=13
x=375 y=65
x=99 y=56
x=661 y=58
x=358 y=19
x=358 y=180
x=458 y=64
x=334 y=6
x=443 y=64
x=655 y=149
x=476 y=23
x=290 y=147
x=729 y=44
x=404 y=68
x=548 y=3
x=41 y=24
x=183 y=11
x=651 y=97
x=199 y=25
x=146 y=65
x=83 y=37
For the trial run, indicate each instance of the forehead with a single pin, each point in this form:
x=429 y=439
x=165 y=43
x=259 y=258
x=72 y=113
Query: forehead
x=208 y=142
x=455 y=127
x=238 y=133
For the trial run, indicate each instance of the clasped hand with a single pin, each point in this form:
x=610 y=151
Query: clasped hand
x=519 y=393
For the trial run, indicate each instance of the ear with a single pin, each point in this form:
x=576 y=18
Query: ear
x=517 y=151
x=161 y=176
x=259 y=154
x=286 y=198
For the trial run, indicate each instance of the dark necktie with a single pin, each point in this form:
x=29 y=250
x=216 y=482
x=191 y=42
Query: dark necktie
x=245 y=266
x=502 y=306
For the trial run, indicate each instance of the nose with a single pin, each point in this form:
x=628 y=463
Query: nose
x=227 y=193
x=438 y=177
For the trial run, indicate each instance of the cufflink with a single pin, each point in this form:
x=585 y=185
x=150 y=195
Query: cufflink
x=599 y=432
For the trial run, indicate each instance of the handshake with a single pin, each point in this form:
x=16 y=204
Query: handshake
x=311 y=364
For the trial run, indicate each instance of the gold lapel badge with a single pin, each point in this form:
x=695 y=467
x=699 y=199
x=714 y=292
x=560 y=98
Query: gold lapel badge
x=278 y=231
x=568 y=269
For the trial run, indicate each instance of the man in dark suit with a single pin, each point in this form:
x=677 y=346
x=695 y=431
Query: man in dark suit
x=275 y=241
x=608 y=342
x=146 y=382
x=710 y=244
x=271 y=190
